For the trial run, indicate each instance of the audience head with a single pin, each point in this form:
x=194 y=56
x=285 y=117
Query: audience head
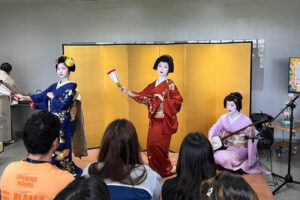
x=225 y=186
x=67 y=61
x=85 y=188
x=195 y=164
x=120 y=153
x=6 y=67
x=196 y=157
x=236 y=97
x=167 y=59
x=40 y=132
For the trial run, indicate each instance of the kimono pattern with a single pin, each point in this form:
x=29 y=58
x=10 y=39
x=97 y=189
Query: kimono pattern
x=235 y=158
x=160 y=129
x=61 y=105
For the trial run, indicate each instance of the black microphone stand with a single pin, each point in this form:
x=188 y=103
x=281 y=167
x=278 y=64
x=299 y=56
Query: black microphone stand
x=288 y=178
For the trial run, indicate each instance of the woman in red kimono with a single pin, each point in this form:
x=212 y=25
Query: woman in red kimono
x=164 y=102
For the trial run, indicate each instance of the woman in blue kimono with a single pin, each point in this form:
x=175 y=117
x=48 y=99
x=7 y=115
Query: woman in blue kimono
x=59 y=99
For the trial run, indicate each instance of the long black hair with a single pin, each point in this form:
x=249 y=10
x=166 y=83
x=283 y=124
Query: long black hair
x=195 y=164
x=120 y=154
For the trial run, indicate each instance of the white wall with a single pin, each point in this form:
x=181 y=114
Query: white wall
x=31 y=34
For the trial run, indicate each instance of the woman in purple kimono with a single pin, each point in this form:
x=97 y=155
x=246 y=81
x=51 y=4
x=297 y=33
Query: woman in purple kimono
x=238 y=153
x=59 y=99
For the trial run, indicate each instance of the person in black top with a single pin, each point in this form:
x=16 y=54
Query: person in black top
x=195 y=164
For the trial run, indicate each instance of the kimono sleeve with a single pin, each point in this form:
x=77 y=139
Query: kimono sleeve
x=147 y=97
x=67 y=98
x=144 y=97
x=172 y=102
x=41 y=100
x=217 y=129
x=171 y=106
x=12 y=85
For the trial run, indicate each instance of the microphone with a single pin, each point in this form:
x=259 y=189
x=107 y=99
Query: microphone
x=247 y=137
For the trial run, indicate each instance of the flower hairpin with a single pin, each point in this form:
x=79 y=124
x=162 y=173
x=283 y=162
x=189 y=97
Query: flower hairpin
x=69 y=62
x=210 y=190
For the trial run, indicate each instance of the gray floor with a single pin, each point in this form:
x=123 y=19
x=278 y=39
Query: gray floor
x=279 y=165
x=291 y=191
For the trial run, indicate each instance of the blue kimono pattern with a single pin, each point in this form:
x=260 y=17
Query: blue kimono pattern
x=60 y=105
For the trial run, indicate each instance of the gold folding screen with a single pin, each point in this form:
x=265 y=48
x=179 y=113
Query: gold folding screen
x=204 y=75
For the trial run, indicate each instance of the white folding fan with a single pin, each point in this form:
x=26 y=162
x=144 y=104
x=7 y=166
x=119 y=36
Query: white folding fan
x=114 y=76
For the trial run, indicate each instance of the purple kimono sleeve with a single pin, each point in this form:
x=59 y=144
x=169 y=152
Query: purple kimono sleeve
x=217 y=128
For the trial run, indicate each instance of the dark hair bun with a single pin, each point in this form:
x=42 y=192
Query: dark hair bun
x=165 y=58
x=237 y=95
x=68 y=61
x=6 y=67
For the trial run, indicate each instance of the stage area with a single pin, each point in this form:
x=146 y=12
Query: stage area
x=257 y=181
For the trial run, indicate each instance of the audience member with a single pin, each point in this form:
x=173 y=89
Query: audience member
x=35 y=177
x=195 y=164
x=5 y=70
x=225 y=186
x=85 y=188
x=120 y=164
x=7 y=135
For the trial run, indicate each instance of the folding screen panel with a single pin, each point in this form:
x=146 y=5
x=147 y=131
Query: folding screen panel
x=204 y=75
x=89 y=75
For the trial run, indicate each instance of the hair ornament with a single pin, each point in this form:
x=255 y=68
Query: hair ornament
x=210 y=190
x=69 y=62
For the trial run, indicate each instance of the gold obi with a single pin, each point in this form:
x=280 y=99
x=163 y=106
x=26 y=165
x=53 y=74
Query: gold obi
x=236 y=141
x=73 y=111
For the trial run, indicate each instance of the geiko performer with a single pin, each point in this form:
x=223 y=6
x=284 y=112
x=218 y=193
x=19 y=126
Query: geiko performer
x=164 y=102
x=239 y=152
x=59 y=99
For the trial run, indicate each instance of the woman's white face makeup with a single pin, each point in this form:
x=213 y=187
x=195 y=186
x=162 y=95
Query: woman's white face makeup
x=231 y=107
x=62 y=71
x=162 y=69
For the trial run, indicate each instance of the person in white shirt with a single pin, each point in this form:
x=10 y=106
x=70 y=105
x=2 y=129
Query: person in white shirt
x=120 y=165
x=5 y=70
x=7 y=135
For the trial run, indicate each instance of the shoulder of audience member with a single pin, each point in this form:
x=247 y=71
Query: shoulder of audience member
x=64 y=174
x=11 y=165
x=152 y=173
